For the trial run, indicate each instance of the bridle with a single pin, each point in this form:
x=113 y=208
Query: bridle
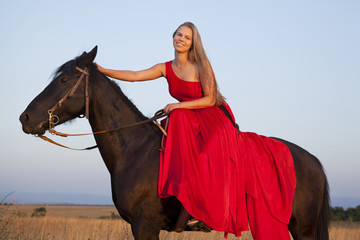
x=54 y=119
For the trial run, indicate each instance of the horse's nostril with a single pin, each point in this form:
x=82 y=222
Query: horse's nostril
x=24 y=117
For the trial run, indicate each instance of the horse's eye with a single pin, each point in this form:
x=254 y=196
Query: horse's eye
x=63 y=79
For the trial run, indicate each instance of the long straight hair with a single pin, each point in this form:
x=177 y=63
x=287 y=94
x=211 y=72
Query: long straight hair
x=198 y=57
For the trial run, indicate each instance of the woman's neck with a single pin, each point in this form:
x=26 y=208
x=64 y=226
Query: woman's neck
x=181 y=59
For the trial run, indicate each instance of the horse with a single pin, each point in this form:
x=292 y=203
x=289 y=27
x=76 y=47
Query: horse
x=132 y=154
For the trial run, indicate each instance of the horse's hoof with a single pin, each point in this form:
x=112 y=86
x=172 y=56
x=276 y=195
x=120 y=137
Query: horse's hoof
x=178 y=229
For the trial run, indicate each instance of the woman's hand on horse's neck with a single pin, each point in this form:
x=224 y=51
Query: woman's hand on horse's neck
x=134 y=76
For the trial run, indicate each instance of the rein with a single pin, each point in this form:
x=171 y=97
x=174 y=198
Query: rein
x=53 y=119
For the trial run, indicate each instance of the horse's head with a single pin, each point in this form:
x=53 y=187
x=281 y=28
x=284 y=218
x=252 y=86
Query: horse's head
x=60 y=101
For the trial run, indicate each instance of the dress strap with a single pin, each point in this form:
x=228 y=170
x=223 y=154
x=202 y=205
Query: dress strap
x=168 y=69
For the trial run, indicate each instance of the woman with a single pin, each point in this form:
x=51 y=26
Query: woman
x=204 y=155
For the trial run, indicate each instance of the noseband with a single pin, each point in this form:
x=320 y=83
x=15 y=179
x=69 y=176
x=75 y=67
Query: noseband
x=53 y=119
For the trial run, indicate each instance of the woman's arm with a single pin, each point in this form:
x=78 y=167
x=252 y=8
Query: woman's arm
x=204 y=102
x=208 y=100
x=133 y=76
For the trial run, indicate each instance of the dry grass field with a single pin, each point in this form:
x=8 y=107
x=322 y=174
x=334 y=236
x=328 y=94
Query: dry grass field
x=84 y=222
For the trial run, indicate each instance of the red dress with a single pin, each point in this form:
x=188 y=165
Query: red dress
x=211 y=168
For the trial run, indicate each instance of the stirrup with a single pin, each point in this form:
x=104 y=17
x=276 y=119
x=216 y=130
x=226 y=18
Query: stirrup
x=200 y=226
x=192 y=222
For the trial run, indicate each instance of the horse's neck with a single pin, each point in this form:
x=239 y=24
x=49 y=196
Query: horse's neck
x=110 y=106
x=111 y=109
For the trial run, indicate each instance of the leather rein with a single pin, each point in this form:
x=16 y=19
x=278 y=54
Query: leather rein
x=54 y=119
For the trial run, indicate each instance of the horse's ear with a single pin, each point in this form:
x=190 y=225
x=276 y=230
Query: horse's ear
x=92 y=54
x=87 y=58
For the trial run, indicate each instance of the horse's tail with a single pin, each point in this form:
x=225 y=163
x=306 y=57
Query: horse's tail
x=322 y=228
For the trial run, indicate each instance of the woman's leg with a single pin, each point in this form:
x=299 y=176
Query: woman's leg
x=182 y=220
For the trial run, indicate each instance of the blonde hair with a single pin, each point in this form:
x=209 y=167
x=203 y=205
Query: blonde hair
x=198 y=57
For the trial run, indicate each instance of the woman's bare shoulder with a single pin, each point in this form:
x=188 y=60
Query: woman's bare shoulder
x=161 y=67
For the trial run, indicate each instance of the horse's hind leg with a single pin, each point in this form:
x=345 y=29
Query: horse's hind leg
x=300 y=230
x=305 y=214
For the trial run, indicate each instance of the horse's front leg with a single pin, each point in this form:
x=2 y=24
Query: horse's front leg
x=145 y=226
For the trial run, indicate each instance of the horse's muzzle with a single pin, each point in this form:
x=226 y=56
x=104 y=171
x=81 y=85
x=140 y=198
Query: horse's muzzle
x=29 y=127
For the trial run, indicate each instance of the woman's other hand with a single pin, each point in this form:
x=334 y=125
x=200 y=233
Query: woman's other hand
x=168 y=108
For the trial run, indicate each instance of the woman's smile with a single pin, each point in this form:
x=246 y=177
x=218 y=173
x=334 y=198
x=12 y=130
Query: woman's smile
x=180 y=44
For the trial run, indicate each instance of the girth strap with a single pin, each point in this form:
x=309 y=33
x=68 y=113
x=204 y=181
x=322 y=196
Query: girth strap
x=230 y=118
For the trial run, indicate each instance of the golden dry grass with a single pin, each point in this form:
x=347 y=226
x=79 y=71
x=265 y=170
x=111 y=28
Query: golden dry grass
x=47 y=228
x=345 y=231
x=82 y=222
x=65 y=211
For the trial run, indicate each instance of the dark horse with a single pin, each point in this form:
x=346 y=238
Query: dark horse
x=132 y=154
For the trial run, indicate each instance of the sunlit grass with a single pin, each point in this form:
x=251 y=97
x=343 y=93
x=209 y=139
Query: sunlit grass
x=17 y=224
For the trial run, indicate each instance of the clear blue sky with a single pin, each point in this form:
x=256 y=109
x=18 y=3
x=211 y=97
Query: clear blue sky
x=289 y=69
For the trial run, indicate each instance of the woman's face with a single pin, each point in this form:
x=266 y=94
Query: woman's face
x=183 y=39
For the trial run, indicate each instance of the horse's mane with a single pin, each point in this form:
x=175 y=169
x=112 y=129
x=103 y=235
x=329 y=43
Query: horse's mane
x=69 y=67
x=65 y=68
x=115 y=86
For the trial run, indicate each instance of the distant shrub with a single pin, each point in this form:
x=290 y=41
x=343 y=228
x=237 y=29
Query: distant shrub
x=112 y=216
x=115 y=216
x=39 y=212
x=350 y=214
